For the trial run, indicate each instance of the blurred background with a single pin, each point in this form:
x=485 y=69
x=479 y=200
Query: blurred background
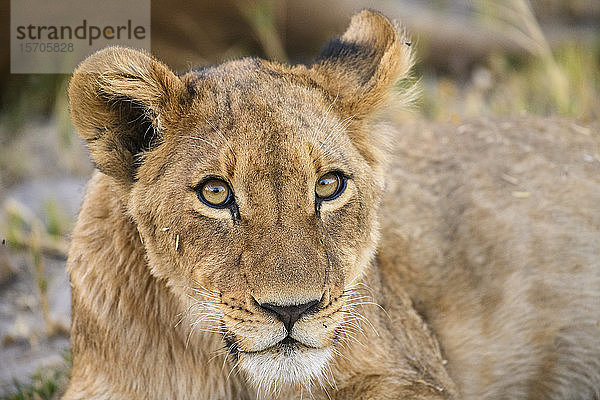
x=474 y=58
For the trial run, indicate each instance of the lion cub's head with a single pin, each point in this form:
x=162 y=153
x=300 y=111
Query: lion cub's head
x=254 y=186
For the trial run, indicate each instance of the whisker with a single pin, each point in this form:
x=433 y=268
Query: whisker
x=232 y=369
x=200 y=140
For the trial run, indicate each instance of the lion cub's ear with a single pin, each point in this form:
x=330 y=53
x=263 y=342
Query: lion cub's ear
x=117 y=98
x=360 y=67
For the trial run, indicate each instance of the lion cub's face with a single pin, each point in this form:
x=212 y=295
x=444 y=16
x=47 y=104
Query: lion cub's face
x=267 y=204
x=254 y=187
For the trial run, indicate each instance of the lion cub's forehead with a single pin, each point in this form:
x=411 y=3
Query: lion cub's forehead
x=262 y=96
x=274 y=118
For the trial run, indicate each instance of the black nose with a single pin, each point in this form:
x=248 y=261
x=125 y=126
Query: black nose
x=289 y=314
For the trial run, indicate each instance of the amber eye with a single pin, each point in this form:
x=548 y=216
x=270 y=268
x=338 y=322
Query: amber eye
x=215 y=193
x=330 y=186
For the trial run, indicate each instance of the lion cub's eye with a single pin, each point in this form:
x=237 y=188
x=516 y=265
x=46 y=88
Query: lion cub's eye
x=330 y=186
x=215 y=193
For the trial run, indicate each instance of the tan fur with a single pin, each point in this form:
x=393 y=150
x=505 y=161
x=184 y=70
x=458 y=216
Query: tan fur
x=495 y=236
x=166 y=290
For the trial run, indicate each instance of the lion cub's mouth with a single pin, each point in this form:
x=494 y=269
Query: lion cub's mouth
x=288 y=345
x=289 y=362
x=288 y=340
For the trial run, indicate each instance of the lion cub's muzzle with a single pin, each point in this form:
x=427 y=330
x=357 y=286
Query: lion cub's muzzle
x=284 y=341
x=256 y=326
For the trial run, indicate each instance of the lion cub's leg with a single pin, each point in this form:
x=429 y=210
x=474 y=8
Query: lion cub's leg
x=386 y=388
x=390 y=352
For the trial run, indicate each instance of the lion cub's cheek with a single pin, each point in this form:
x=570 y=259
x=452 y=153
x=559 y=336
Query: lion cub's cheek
x=359 y=258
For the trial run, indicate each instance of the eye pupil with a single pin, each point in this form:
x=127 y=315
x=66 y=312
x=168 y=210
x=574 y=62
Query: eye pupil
x=327 y=181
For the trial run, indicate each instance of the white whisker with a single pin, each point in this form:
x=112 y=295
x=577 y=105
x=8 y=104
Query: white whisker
x=200 y=140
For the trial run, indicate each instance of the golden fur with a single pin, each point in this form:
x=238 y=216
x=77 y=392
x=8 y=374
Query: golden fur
x=169 y=294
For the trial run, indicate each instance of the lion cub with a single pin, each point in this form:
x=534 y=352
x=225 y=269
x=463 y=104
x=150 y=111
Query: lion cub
x=241 y=239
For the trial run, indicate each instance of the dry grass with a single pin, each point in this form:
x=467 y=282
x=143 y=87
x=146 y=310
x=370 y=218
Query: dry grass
x=563 y=81
x=260 y=17
x=43 y=385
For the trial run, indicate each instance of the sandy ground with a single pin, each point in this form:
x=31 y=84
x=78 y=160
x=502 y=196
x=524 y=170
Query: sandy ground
x=31 y=340
x=28 y=339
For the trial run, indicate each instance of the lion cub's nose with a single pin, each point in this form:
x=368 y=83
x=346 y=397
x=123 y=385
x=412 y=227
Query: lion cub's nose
x=289 y=314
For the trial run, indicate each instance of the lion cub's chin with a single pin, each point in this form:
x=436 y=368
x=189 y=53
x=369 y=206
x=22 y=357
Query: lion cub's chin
x=285 y=365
